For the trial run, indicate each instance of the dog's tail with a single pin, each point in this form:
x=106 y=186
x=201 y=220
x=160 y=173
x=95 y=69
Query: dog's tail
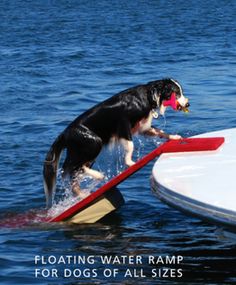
x=50 y=168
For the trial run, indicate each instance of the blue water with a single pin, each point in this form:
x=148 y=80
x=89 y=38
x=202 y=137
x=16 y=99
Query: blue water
x=58 y=58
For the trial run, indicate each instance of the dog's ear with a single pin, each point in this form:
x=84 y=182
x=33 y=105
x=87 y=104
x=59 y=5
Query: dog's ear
x=167 y=89
x=175 y=87
x=155 y=97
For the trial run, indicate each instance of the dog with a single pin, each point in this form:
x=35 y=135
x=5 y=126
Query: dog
x=121 y=116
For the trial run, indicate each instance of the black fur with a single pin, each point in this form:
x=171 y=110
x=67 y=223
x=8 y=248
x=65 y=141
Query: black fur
x=117 y=116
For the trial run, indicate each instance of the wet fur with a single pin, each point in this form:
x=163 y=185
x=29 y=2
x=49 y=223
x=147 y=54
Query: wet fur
x=120 y=116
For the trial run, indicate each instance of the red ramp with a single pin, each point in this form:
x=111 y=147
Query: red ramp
x=114 y=199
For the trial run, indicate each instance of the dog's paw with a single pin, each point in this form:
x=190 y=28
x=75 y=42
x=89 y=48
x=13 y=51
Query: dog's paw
x=129 y=163
x=94 y=173
x=75 y=188
x=175 y=137
x=99 y=176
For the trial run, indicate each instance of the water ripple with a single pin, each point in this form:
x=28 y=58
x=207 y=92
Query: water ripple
x=57 y=60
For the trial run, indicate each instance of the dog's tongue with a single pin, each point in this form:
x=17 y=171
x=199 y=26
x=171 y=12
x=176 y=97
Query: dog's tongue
x=171 y=102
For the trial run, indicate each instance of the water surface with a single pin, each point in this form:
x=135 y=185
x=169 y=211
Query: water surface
x=58 y=58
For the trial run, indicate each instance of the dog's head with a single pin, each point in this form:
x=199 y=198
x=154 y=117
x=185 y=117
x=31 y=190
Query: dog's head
x=168 y=92
x=171 y=94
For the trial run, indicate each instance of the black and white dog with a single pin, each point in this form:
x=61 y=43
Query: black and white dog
x=121 y=116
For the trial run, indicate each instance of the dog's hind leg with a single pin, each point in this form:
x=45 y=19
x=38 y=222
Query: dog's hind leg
x=83 y=146
x=94 y=173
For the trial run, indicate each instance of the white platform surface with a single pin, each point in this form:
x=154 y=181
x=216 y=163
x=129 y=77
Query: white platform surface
x=206 y=177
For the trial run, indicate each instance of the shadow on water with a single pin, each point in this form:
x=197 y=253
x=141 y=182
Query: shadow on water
x=205 y=257
x=122 y=232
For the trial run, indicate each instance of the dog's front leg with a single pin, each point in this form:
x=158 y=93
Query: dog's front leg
x=125 y=136
x=156 y=132
x=129 y=148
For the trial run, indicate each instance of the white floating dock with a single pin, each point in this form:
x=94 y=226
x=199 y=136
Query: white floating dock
x=201 y=183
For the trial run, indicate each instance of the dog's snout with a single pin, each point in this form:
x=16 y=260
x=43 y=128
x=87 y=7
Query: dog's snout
x=187 y=105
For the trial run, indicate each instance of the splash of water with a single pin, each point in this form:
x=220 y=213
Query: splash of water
x=110 y=162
